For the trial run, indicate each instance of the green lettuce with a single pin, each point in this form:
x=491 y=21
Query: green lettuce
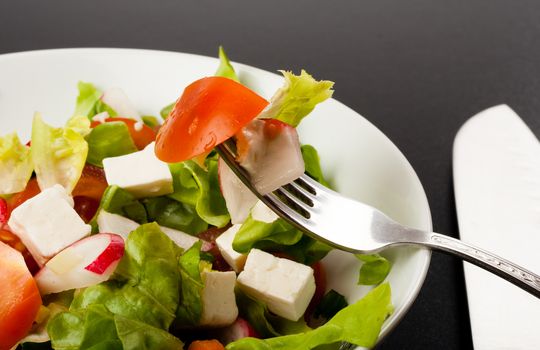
x=279 y=236
x=263 y=321
x=190 y=309
x=199 y=187
x=225 y=68
x=297 y=98
x=312 y=164
x=89 y=102
x=15 y=164
x=171 y=213
x=138 y=304
x=59 y=154
x=263 y=235
x=150 y=120
x=116 y=200
x=374 y=269
x=359 y=324
x=86 y=100
x=165 y=111
x=110 y=139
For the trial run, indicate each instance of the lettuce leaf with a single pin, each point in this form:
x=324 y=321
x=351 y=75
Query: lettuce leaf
x=109 y=139
x=139 y=302
x=116 y=200
x=190 y=310
x=225 y=68
x=199 y=187
x=165 y=111
x=312 y=163
x=297 y=98
x=359 y=324
x=15 y=164
x=59 y=154
x=170 y=213
x=89 y=102
x=374 y=269
x=86 y=100
x=262 y=235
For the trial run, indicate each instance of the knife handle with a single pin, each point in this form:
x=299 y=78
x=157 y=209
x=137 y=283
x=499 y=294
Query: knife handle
x=501 y=267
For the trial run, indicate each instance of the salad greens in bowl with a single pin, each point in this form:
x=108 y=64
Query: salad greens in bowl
x=122 y=229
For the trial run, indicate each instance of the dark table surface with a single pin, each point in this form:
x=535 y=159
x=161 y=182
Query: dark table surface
x=417 y=69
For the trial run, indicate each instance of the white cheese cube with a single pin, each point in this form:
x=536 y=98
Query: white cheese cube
x=47 y=223
x=284 y=285
x=114 y=223
x=141 y=173
x=219 y=301
x=232 y=257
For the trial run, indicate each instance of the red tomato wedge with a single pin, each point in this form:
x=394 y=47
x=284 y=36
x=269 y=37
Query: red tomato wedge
x=92 y=183
x=209 y=111
x=31 y=189
x=141 y=134
x=20 y=299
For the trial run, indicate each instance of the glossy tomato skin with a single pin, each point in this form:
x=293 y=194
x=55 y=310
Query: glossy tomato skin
x=91 y=184
x=209 y=111
x=141 y=133
x=20 y=301
x=31 y=189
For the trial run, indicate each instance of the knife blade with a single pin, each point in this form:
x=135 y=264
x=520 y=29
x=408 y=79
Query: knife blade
x=496 y=168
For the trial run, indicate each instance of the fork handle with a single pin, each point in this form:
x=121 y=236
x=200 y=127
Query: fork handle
x=503 y=268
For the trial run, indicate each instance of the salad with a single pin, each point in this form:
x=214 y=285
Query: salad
x=122 y=231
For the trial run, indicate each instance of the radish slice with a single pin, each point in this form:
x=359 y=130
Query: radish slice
x=118 y=100
x=238 y=330
x=270 y=152
x=238 y=198
x=89 y=261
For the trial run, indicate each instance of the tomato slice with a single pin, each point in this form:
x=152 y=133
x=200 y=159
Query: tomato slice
x=20 y=299
x=206 y=345
x=141 y=133
x=31 y=189
x=209 y=111
x=91 y=184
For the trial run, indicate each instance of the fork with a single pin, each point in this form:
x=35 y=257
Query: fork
x=320 y=213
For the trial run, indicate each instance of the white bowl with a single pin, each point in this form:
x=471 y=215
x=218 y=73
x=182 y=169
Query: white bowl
x=359 y=160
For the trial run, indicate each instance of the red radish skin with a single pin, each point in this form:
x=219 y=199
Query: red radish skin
x=238 y=330
x=87 y=262
x=209 y=238
x=113 y=252
x=4 y=212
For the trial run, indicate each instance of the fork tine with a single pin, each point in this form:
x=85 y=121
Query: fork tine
x=294 y=203
x=308 y=196
x=310 y=183
x=272 y=200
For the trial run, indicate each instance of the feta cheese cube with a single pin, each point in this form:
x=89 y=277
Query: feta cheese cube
x=232 y=257
x=219 y=301
x=141 y=173
x=114 y=223
x=284 y=285
x=47 y=223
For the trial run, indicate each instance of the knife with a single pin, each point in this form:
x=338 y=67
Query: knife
x=496 y=167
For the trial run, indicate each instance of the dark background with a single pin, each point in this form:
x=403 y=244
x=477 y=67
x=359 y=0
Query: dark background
x=417 y=69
